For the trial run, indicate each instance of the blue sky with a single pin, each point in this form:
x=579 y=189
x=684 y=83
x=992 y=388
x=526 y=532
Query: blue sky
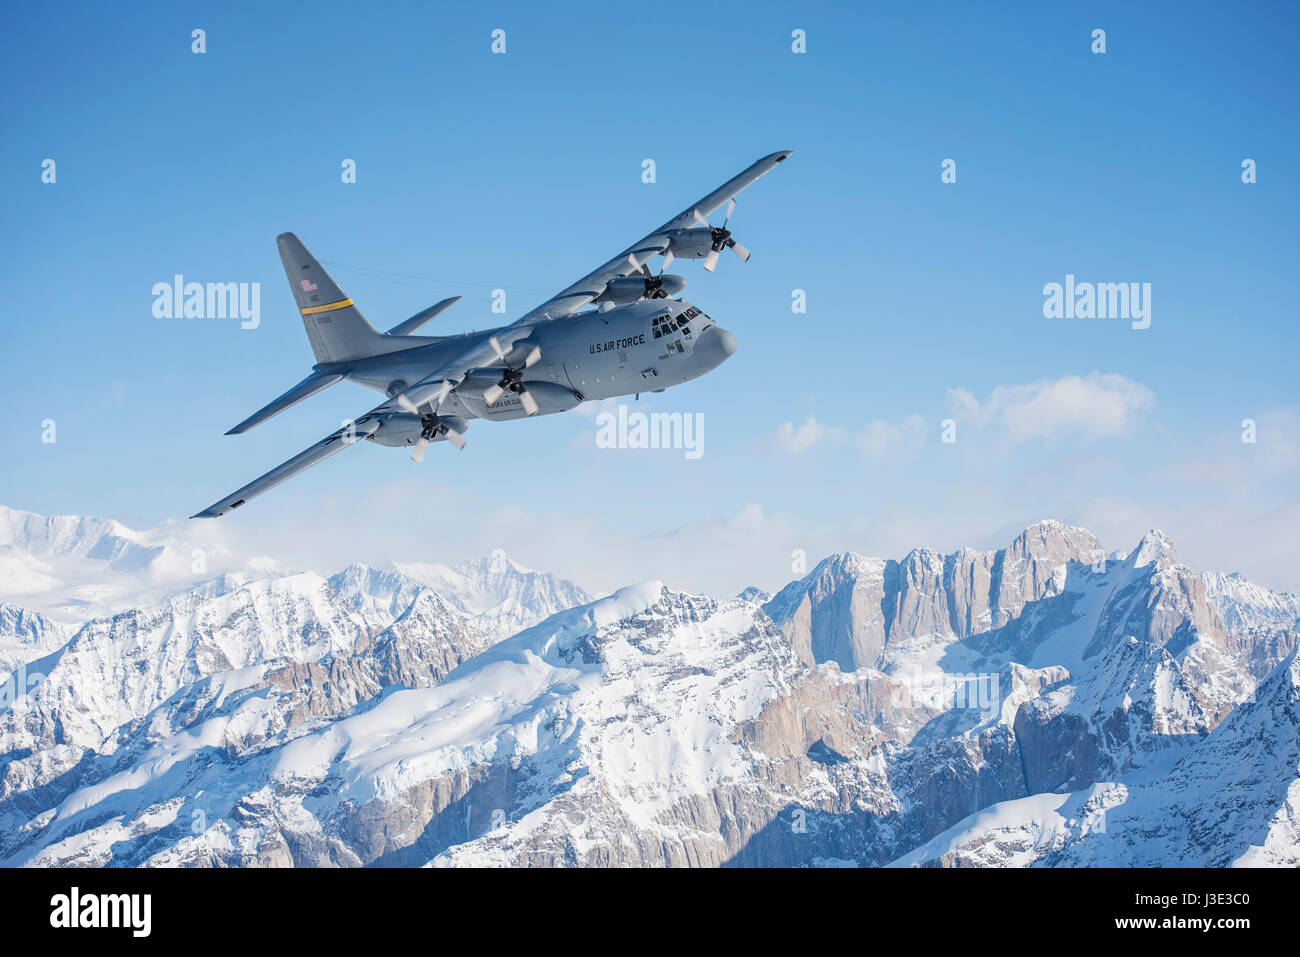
x=523 y=171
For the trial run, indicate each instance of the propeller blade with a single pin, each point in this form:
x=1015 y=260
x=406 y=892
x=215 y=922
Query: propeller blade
x=528 y=402
x=455 y=438
x=740 y=251
x=421 y=446
x=731 y=211
x=668 y=261
x=492 y=393
x=406 y=404
x=444 y=391
x=711 y=260
x=533 y=356
x=699 y=220
x=496 y=347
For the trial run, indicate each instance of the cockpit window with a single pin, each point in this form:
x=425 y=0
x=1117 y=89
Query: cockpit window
x=663 y=325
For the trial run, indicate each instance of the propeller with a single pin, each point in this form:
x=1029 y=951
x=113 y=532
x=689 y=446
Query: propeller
x=654 y=284
x=512 y=379
x=721 y=238
x=432 y=424
x=444 y=390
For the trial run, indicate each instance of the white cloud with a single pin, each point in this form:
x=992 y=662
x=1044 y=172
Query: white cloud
x=878 y=439
x=802 y=438
x=1095 y=405
x=715 y=554
x=881 y=439
x=742 y=524
x=594 y=407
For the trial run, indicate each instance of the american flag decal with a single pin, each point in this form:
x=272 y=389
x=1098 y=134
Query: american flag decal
x=307 y=285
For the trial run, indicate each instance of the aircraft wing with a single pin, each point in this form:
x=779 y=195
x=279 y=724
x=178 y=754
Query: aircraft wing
x=335 y=442
x=480 y=355
x=582 y=292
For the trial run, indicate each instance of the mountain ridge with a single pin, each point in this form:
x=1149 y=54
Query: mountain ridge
x=865 y=712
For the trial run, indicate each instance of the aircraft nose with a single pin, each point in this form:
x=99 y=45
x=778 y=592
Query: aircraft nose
x=715 y=345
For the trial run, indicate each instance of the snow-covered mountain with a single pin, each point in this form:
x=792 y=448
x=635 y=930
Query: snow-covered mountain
x=499 y=596
x=1243 y=605
x=71 y=568
x=1038 y=704
x=58 y=572
x=1234 y=799
x=860 y=612
x=26 y=634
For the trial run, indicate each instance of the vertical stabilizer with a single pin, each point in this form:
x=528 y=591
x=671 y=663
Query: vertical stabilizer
x=335 y=327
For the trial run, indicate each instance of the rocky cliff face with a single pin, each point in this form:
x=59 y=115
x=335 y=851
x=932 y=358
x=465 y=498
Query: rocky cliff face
x=850 y=608
x=1032 y=704
x=1232 y=800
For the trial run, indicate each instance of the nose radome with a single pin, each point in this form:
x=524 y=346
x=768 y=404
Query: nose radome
x=716 y=344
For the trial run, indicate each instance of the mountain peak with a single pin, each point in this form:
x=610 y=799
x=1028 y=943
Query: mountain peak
x=1057 y=537
x=498 y=562
x=1156 y=547
x=498 y=595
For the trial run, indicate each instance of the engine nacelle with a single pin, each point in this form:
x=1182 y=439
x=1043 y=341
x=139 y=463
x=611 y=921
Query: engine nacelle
x=631 y=288
x=690 y=243
x=404 y=428
x=550 y=397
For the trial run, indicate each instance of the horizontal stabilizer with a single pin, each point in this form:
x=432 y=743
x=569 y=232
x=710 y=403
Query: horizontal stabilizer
x=420 y=318
x=307 y=387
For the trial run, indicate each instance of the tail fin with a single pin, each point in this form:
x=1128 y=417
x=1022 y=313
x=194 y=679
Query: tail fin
x=335 y=326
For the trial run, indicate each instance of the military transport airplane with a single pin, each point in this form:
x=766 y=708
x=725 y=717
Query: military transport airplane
x=637 y=338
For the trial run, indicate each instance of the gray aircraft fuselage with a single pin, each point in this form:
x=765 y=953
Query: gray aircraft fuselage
x=642 y=346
